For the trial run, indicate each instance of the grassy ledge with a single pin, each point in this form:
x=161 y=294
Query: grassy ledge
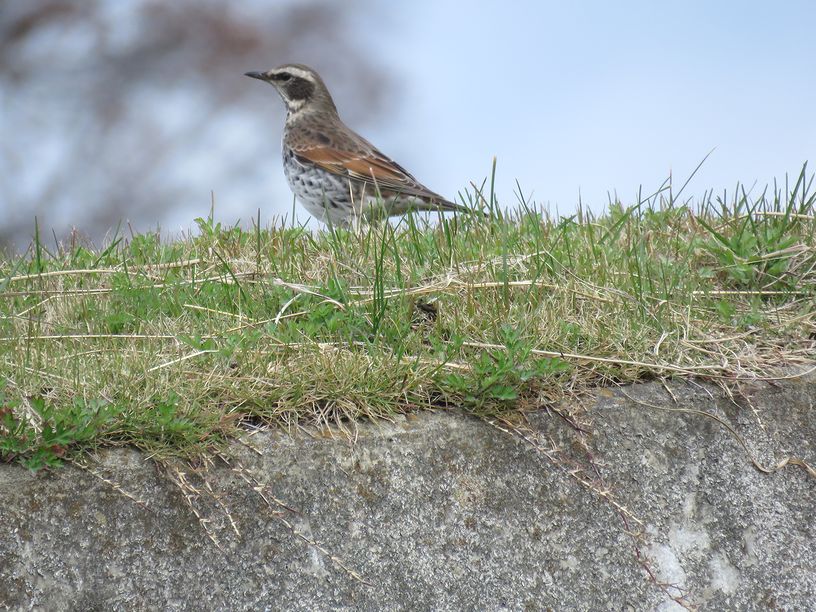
x=178 y=347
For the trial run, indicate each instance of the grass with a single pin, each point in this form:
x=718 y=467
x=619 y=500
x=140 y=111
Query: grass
x=177 y=348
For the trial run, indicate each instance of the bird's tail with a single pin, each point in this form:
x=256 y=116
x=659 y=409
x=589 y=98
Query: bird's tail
x=447 y=206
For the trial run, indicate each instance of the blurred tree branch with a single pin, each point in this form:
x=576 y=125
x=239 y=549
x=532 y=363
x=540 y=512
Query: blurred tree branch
x=109 y=110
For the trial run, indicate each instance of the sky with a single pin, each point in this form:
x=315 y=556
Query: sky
x=597 y=97
x=589 y=100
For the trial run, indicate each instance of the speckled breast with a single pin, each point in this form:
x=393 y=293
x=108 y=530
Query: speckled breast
x=325 y=195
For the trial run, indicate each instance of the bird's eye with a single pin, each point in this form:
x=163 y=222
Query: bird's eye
x=283 y=76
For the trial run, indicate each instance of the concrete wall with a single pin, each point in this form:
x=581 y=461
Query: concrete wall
x=442 y=511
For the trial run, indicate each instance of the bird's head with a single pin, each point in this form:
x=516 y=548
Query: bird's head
x=300 y=87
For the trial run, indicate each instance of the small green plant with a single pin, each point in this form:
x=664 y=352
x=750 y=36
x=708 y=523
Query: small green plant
x=498 y=376
x=752 y=241
x=52 y=430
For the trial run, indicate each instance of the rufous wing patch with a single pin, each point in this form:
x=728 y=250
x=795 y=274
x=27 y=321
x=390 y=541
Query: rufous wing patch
x=374 y=169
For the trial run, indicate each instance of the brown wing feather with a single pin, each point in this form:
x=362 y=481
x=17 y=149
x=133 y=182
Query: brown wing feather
x=372 y=167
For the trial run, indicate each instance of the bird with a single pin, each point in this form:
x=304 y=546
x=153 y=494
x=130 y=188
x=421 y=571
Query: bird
x=336 y=174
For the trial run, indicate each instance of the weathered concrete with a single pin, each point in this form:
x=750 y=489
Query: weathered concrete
x=442 y=511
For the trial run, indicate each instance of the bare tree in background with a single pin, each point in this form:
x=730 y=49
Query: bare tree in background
x=110 y=110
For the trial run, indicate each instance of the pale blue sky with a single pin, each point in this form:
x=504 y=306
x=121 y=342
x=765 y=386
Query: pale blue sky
x=591 y=96
x=599 y=96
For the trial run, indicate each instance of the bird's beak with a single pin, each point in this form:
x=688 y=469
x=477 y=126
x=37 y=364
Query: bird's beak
x=256 y=75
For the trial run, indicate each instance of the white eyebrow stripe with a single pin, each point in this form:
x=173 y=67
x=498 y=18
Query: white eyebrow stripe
x=296 y=72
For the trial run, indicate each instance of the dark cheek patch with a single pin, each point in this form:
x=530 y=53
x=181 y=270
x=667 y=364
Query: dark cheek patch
x=300 y=89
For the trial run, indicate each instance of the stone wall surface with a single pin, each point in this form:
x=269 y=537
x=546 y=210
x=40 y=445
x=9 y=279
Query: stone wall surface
x=655 y=506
